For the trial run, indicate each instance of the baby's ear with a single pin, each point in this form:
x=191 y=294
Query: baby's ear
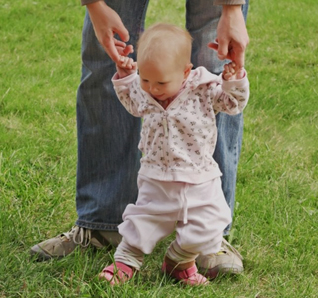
x=187 y=70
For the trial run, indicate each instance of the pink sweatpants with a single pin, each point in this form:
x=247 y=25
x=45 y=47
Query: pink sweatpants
x=198 y=213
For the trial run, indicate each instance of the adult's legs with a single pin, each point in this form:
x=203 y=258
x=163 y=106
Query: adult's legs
x=108 y=158
x=228 y=149
x=201 y=21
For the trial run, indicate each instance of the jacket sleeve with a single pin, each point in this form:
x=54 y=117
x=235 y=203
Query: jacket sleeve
x=128 y=93
x=85 y=2
x=216 y=2
x=229 y=97
x=229 y=2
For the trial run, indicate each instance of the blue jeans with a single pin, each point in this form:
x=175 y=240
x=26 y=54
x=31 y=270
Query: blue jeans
x=108 y=158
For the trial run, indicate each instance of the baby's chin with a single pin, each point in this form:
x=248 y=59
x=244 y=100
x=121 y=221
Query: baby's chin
x=160 y=97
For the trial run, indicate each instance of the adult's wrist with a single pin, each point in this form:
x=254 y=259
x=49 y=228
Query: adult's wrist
x=230 y=9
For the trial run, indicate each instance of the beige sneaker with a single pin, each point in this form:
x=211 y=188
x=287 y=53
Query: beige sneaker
x=227 y=260
x=64 y=244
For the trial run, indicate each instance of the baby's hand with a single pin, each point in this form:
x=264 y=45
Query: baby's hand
x=229 y=72
x=125 y=66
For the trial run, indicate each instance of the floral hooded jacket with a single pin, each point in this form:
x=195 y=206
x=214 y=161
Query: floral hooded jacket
x=178 y=142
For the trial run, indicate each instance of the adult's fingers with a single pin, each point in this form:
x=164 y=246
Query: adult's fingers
x=215 y=46
x=122 y=48
x=223 y=49
x=111 y=49
x=121 y=31
x=239 y=57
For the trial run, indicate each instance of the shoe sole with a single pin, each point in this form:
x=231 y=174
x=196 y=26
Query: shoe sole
x=221 y=269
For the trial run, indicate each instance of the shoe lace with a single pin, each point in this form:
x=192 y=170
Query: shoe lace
x=80 y=236
x=227 y=246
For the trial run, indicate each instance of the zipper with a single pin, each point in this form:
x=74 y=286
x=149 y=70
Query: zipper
x=165 y=140
x=165 y=125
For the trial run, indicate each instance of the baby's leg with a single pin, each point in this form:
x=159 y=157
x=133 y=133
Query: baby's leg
x=128 y=260
x=208 y=215
x=129 y=255
x=180 y=265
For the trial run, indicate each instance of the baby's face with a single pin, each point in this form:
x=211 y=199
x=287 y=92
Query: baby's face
x=161 y=80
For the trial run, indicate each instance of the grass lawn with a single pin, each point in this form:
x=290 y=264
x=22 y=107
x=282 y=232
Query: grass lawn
x=276 y=216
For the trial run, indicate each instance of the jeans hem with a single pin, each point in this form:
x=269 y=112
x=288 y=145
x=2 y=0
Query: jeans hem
x=97 y=226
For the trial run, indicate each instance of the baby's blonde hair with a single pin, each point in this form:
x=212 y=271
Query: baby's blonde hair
x=164 y=43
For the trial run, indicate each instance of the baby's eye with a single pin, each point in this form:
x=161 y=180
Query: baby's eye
x=161 y=83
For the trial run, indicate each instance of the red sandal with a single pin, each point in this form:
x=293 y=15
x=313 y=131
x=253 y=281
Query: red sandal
x=188 y=276
x=117 y=273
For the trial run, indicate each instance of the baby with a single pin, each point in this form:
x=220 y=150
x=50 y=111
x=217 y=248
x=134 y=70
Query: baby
x=179 y=182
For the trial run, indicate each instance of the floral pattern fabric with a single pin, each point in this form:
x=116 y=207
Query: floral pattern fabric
x=178 y=142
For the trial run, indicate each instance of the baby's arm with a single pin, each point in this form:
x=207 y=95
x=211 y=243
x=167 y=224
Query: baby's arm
x=231 y=94
x=125 y=67
x=229 y=72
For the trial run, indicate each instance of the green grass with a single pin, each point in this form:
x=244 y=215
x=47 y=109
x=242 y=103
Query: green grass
x=276 y=219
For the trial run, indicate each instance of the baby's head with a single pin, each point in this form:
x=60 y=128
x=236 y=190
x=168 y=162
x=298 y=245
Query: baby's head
x=164 y=59
x=165 y=43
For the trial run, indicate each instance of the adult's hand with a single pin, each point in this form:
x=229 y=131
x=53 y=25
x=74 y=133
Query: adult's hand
x=232 y=37
x=106 y=23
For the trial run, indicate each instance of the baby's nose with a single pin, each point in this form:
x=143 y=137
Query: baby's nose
x=153 y=89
